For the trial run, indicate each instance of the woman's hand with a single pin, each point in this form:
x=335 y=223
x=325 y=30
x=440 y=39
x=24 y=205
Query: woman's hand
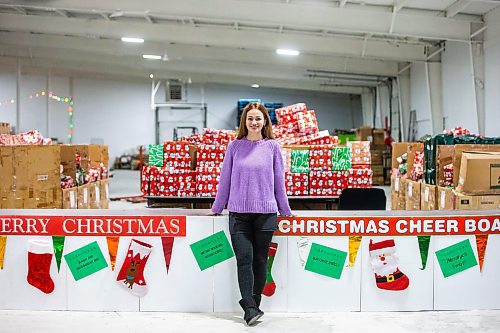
x=293 y=215
x=214 y=214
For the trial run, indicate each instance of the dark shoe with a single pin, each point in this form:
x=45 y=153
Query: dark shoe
x=257 y=299
x=251 y=311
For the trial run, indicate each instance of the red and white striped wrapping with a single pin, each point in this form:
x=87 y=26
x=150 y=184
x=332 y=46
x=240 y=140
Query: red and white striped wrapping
x=297 y=184
x=456 y=131
x=320 y=157
x=418 y=166
x=288 y=114
x=360 y=152
x=207 y=181
x=360 y=178
x=28 y=138
x=307 y=122
x=67 y=182
x=93 y=175
x=448 y=175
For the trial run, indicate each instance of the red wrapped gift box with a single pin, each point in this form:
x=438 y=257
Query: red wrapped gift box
x=297 y=184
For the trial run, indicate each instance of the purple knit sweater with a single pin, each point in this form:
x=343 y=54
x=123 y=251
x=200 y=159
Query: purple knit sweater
x=252 y=179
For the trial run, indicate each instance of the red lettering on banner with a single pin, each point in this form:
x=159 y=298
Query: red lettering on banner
x=173 y=226
x=388 y=226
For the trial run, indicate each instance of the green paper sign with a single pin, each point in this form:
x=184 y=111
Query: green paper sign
x=456 y=258
x=300 y=161
x=85 y=261
x=326 y=261
x=212 y=250
x=155 y=155
x=341 y=158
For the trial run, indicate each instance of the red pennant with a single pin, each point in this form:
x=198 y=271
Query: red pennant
x=167 y=243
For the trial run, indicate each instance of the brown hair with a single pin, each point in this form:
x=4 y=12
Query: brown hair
x=267 y=129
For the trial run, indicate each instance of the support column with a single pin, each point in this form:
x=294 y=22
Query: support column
x=367 y=106
x=404 y=102
x=18 y=97
x=47 y=106
x=478 y=75
x=434 y=84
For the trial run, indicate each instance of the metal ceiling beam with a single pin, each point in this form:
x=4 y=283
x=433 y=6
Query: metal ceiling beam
x=457 y=7
x=185 y=34
x=354 y=19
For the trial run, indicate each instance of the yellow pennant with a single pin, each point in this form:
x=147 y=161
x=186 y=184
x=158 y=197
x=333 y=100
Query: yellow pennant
x=3 y=242
x=354 y=242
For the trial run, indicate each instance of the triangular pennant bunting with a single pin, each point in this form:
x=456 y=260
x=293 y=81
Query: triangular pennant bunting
x=481 y=243
x=3 y=242
x=354 y=242
x=58 y=243
x=112 y=249
x=423 y=245
x=167 y=244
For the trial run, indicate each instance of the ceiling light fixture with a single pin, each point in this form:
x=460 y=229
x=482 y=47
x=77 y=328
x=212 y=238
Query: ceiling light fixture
x=151 y=56
x=287 y=52
x=255 y=85
x=132 y=40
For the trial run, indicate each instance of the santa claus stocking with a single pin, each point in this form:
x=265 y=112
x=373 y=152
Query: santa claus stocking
x=270 y=286
x=131 y=275
x=39 y=260
x=385 y=266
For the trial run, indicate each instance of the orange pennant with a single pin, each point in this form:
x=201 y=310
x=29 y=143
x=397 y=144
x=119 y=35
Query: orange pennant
x=112 y=249
x=481 y=242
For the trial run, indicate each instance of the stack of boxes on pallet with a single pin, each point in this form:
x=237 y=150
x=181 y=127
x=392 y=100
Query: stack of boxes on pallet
x=315 y=164
x=31 y=177
x=446 y=172
x=378 y=151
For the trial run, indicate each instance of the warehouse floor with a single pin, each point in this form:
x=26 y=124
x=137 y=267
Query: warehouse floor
x=126 y=183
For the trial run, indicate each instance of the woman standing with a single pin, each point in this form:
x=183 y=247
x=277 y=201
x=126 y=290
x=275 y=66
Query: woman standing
x=252 y=184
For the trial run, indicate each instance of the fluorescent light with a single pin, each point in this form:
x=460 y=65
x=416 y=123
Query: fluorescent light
x=255 y=85
x=132 y=40
x=151 y=76
x=287 y=52
x=151 y=56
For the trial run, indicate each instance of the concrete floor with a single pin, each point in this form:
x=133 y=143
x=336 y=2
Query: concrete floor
x=126 y=183
x=373 y=322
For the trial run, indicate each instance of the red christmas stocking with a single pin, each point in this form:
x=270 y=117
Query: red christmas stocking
x=39 y=260
x=270 y=286
x=385 y=266
x=131 y=275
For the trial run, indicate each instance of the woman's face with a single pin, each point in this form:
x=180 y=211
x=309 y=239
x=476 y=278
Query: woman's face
x=255 y=121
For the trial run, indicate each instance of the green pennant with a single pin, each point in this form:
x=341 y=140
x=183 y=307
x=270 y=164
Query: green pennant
x=423 y=245
x=58 y=243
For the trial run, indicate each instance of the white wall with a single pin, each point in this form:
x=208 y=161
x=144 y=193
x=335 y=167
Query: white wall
x=119 y=114
x=492 y=73
x=459 y=103
x=420 y=99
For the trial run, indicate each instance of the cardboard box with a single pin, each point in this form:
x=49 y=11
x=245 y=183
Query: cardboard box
x=378 y=170
x=477 y=202
x=91 y=155
x=395 y=180
x=445 y=198
x=378 y=180
x=95 y=195
x=457 y=156
x=364 y=133
x=376 y=156
x=479 y=173
x=444 y=156
x=30 y=177
x=399 y=148
x=5 y=128
x=428 y=195
x=378 y=136
x=412 y=195
x=70 y=198
x=83 y=196
x=411 y=150
x=104 y=190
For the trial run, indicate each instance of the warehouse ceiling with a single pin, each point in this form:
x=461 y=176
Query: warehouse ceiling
x=343 y=45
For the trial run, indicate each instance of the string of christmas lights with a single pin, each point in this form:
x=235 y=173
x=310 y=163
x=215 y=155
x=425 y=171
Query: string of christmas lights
x=56 y=98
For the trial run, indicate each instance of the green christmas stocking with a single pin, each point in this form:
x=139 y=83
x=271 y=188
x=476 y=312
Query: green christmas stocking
x=270 y=286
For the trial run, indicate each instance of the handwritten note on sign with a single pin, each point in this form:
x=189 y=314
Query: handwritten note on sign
x=456 y=258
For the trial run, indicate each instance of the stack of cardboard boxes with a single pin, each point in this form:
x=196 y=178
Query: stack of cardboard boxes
x=4 y=128
x=377 y=148
x=30 y=177
x=472 y=183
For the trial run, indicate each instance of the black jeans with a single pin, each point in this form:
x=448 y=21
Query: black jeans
x=251 y=235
